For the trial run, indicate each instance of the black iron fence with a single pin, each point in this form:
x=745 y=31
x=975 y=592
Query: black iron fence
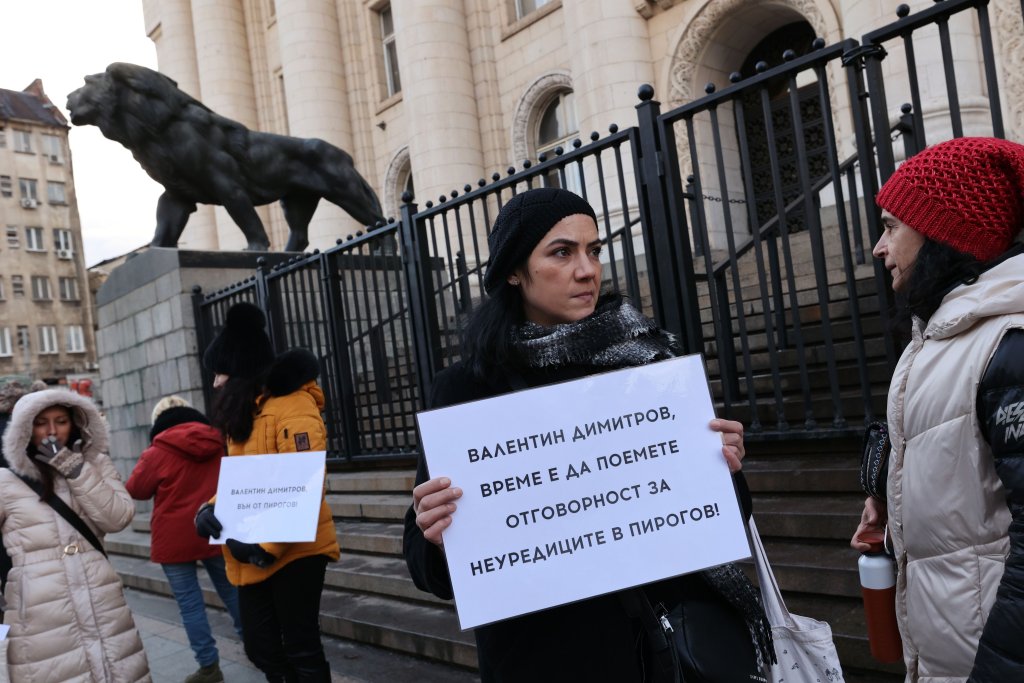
x=742 y=222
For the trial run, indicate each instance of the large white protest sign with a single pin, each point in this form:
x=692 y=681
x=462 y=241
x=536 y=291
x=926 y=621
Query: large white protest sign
x=577 y=489
x=270 y=498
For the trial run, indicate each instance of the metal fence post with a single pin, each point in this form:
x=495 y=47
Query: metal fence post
x=668 y=252
x=339 y=347
x=420 y=286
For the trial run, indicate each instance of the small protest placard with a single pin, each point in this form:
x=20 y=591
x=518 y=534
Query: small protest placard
x=582 y=488
x=271 y=498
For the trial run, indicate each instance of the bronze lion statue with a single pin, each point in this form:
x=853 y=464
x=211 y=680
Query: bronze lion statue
x=202 y=157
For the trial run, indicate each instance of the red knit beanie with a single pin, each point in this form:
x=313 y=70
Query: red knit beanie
x=966 y=193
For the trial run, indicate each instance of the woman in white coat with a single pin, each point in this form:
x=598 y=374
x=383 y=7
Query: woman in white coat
x=65 y=603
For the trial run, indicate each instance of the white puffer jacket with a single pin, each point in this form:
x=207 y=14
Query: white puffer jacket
x=948 y=515
x=66 y=609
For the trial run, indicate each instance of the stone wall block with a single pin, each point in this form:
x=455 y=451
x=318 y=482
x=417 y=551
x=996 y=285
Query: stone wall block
x=132 y=387
x=155 y=351
x=170 y=382
x=150 y=384
x=168 y=286
x=162 y=320
x=143 y=325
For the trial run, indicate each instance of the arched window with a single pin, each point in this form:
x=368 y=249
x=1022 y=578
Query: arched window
x=556 y=127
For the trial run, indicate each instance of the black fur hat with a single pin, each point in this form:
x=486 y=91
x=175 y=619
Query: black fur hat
x=172 y=417
x=242 y=347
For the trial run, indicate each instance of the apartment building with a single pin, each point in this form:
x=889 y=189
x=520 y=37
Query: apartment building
x=46 y=327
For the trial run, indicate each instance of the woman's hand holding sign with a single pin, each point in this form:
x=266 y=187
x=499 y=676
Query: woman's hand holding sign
x=732 y=442
x=433 y=501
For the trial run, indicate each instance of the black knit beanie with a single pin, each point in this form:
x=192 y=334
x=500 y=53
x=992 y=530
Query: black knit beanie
x=521 y=224
x=172 y=417
x=242 y=347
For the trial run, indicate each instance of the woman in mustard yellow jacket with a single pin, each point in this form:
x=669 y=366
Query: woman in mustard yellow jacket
x=272 y=404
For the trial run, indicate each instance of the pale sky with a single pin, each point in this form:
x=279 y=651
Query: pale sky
x=61 y=41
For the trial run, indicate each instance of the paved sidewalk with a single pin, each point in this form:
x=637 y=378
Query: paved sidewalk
x=171 y=660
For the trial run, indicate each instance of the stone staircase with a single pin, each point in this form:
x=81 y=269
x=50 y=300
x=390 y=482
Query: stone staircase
x=806 y=505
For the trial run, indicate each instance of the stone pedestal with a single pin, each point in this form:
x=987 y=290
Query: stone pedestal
x=147 y=336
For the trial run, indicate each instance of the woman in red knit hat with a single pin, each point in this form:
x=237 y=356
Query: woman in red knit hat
x=955 y=489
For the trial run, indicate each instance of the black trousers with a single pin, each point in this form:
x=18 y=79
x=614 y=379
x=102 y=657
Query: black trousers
x=281 y=622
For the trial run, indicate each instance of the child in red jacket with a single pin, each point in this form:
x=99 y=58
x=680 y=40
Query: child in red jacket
x=180 y=470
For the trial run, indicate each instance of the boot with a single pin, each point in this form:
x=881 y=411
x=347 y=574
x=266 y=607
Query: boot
x=206 y=674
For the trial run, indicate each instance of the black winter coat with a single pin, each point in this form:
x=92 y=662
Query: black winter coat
x=1000 y=408
x=589 y=640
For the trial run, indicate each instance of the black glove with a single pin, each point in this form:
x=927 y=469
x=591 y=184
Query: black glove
x=206 y=522
x=250 y=553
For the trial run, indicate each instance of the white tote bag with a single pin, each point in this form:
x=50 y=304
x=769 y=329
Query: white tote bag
x=803 y=645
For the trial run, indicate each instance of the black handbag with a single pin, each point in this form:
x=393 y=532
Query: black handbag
x=702 y=639
x=713 y=642
x=874 y=464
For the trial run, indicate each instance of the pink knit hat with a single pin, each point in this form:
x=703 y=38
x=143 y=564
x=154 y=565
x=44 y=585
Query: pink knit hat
x=966 y=193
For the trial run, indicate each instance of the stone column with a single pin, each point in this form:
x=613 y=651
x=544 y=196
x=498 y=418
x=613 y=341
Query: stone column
x=610 y=58
x=176 y=56
x=438 y=93
x=309 y=38
x=225 y=79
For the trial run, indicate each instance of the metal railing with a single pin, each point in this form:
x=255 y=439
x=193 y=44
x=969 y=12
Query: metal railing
x=760 y=266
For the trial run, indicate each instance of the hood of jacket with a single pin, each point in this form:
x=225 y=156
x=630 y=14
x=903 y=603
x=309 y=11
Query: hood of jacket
x=18 y=435
x=998 y=291
x=193 y=441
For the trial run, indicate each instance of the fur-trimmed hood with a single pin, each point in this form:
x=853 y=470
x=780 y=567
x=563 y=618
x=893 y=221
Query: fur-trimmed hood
x=291 y=370
x=19 y=430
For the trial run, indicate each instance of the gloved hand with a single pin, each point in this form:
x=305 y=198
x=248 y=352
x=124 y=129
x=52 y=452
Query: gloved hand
x=250 y=553
x=67 y=461
x=206 y=522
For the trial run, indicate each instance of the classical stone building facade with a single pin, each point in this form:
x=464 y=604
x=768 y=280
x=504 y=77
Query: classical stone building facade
x=46 y=326
x=433 y=94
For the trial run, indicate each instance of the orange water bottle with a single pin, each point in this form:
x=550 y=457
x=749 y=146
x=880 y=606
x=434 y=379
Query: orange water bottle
x=878 y=587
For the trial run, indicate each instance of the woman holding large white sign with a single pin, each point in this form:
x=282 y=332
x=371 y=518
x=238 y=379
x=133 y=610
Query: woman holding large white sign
x=545 y=321
x=271 y=404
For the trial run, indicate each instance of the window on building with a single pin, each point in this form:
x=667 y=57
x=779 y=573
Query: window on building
x=3 y=137
x=34 y=239
x=556 y=129
x=41 y=288
x=62 y=242
x=47 y=339
x=23 y=141
x=281 y=102
x=29 y=189
x=6 y=188
x=3 y=291
x=55 y=193
x=13 y=237
x=53 y=148
x=18 y=285
x=5 y=342
x=24 y=339
x=74 y=340
x=68 y=287
x=524 y=7
x=390 y=51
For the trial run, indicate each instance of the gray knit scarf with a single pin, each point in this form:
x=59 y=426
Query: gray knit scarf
x=617 y=335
